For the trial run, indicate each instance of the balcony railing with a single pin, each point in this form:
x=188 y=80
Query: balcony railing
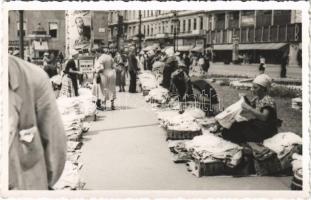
x=283 y=33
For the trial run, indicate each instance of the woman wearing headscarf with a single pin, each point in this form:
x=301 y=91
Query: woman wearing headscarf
x=264 y=120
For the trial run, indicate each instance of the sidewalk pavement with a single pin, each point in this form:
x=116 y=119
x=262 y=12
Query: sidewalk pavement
x=251 y=70
x=126 y=150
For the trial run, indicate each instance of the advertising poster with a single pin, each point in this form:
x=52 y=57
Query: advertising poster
x=78 y=31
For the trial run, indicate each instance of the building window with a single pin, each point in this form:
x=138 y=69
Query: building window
x=144 y=30
x=189 y=25
x=210 y=22
x=148 y=28
x=248 y=18
x=194 y=24
x=282 y=17
x=172 y=28
x=220 y=21
x=201 y=23
x=234 y=20
x=184 y=26
x=24 y=31
x=53 y=28
x=147 y=13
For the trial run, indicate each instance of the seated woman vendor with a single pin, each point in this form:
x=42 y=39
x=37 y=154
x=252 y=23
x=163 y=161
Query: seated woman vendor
x=264 y=120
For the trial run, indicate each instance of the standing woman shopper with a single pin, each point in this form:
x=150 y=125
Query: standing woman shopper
x=107 y=78
x=70 y=79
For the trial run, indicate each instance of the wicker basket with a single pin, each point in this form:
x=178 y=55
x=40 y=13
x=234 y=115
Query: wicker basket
x=181 y=135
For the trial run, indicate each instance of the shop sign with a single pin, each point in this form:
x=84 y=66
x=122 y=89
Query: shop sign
x=86 y=66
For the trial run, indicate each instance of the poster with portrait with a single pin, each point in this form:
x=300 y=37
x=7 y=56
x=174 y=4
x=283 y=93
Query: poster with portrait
x=78 y=31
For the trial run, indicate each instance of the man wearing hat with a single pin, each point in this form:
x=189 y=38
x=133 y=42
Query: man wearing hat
x=264 y=120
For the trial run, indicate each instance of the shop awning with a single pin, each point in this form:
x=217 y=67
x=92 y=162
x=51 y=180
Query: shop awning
x=151 y=47
x=198 y=48
x=40 y=46
x=265 y=46
x=261 y=46
x=184 y=48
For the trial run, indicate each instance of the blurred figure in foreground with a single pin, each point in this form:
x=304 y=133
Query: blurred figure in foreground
x=37 y=140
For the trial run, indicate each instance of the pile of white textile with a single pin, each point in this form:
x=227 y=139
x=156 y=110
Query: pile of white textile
x=183 y=122
x=283 y=143
x=209 y=148
x=158 y=95
x=195 y=113
x=70 y=178
x=148 y=80
x=83 y=104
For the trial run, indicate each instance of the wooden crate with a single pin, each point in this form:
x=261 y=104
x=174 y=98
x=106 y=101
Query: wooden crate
x=181 y=135
x=212 y=168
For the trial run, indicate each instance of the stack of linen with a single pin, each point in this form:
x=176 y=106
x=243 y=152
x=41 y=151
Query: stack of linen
x=284 y=144
x=147 y=80
x=70 y=178
x=158 y=95
x=208 y=148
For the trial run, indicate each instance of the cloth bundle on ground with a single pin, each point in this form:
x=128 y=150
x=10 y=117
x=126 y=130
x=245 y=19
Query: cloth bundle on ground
x=77 y=105
x=70 y=178
x=208 y=148
x=158 y=95
x=180 y=153
x=233 y=113
x=266 y=161
x=183 y=122
x=285 y=145
x=148 y=80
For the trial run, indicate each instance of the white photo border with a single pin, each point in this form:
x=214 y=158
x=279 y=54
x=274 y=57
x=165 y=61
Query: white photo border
x=120 y=5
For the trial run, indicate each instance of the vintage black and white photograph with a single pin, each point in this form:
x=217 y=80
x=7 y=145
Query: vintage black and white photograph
x=179 y=100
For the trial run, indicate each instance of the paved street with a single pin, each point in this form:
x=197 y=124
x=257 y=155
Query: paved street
x=126 y=150
x=251 y=70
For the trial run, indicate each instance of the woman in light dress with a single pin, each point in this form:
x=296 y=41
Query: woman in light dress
x=104 y=66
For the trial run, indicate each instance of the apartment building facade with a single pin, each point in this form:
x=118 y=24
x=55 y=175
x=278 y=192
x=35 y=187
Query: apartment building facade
x=229 y=34
x=45 y=31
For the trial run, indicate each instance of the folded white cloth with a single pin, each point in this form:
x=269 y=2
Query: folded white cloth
x=283 y=143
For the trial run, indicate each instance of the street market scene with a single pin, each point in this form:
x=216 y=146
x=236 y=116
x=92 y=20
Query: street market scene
x=155 y=100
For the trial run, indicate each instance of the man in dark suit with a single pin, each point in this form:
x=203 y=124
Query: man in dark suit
x=133 y=68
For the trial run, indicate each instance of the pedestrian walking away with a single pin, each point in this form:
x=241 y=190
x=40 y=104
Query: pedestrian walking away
x=107 y=78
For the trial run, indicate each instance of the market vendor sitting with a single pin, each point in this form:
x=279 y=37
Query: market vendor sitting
x=262 y=109
x=181 y=86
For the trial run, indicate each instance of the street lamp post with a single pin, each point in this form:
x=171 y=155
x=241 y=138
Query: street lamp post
x=21 y=34
x=139 y=32
x=175 y=22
